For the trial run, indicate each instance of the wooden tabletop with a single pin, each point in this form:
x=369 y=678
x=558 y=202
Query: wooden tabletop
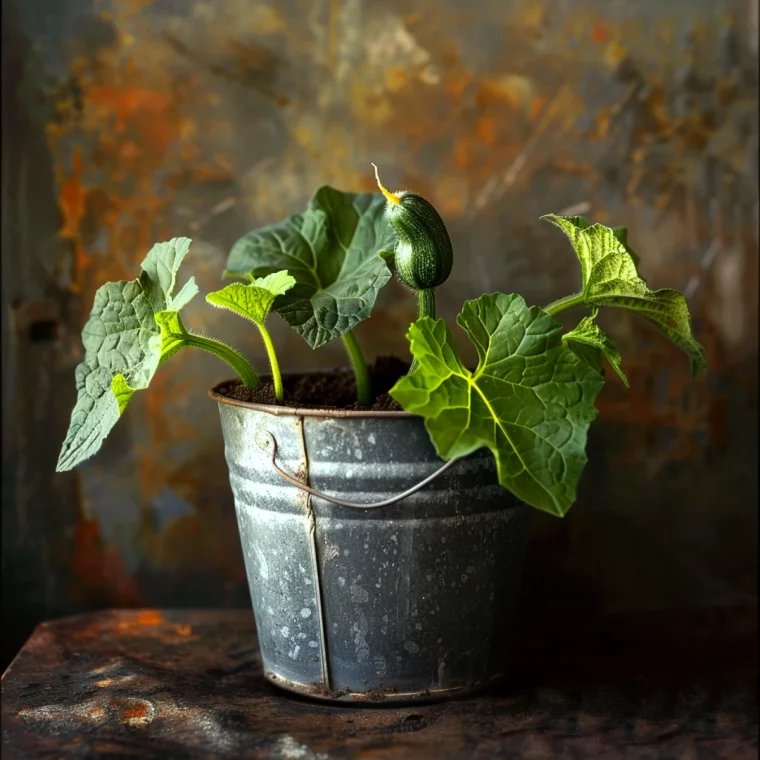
x=176 y=684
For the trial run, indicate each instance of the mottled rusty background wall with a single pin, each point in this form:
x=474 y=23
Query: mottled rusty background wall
x=129 y=121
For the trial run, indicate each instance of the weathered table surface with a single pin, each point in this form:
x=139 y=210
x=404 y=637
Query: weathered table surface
x=189 y=684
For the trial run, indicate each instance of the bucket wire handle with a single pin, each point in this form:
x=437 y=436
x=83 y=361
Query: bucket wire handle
x=340 y=502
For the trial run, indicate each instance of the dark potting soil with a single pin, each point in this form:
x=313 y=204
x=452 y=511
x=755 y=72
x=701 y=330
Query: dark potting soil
x=329 y=390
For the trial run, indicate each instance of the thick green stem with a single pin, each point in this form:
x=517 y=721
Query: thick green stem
x=363 y=386
x=565 y=303
x=426 y=301
x=276 y=377
x=425 y=308
x=225 y=353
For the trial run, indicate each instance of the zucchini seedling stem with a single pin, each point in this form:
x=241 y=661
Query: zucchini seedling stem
x=361 y=373
x=227 y=354
x=565 y=304
x=273 y=363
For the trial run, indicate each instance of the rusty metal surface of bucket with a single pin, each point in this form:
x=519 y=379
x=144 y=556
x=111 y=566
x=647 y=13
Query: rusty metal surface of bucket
x=412 y=601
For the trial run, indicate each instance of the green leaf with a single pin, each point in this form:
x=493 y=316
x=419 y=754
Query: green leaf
x=621 y=233
x=277 y=283
x=334 y=251
x=173 y=333
x=160 y=273
x=123 y=348
x=253 y=301
x=189 y=290
x=588 y=342
x=610 y=279
x=122 y=391
x=530 y=400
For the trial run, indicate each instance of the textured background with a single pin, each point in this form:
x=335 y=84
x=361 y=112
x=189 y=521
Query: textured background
x=130 y=121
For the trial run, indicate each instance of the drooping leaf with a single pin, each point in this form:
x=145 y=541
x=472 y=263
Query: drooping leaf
x=589 y=342
x=123 y=348
x=253 y=301
x=610 y=279
x=335 y=251
x=530 y=400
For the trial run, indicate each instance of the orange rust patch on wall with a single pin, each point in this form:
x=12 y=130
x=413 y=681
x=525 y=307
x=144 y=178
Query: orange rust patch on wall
x=149 y=113
x=72 y=205
x=129 y=116
x=536 y=106
x=130 y=112
x=72 y=195
x=99 y=572
x=600 y=33
x=462 y=153
x=486 y=130
x=153 y=470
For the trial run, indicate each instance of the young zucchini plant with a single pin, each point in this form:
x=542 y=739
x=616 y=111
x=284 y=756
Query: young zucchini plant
x=336 y=250
x=254 y=301
x=530 y=400
x=133 y=328
x=320 y=270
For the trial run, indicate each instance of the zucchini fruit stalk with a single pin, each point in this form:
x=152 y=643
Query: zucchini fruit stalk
x=423 y=255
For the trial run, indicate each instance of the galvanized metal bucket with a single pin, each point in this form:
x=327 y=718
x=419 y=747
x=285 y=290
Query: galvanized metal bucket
x=410 y=600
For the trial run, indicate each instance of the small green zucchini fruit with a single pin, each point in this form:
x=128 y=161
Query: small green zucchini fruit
x=423 y=255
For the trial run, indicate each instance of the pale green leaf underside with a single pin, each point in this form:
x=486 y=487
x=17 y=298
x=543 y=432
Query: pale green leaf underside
x=610 y=279
x=589 y=342
x=160 y=268
x=253 y=301
x=530 y=401
x=186 y=294
x=334 y=251
x=123 y=348
x=277 y=283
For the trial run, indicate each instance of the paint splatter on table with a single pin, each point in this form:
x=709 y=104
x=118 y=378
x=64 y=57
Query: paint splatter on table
x=171 y=684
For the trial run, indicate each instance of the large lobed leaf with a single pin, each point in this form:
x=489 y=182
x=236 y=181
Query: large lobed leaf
x=123 y=347
x=335 y=251
x=530 y=400
x=610 y=279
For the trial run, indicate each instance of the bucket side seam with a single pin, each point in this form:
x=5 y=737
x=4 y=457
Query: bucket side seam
x=314 y=552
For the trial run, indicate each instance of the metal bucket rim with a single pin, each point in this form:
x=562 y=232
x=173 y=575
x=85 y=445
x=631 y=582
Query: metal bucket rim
x=300 y=411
